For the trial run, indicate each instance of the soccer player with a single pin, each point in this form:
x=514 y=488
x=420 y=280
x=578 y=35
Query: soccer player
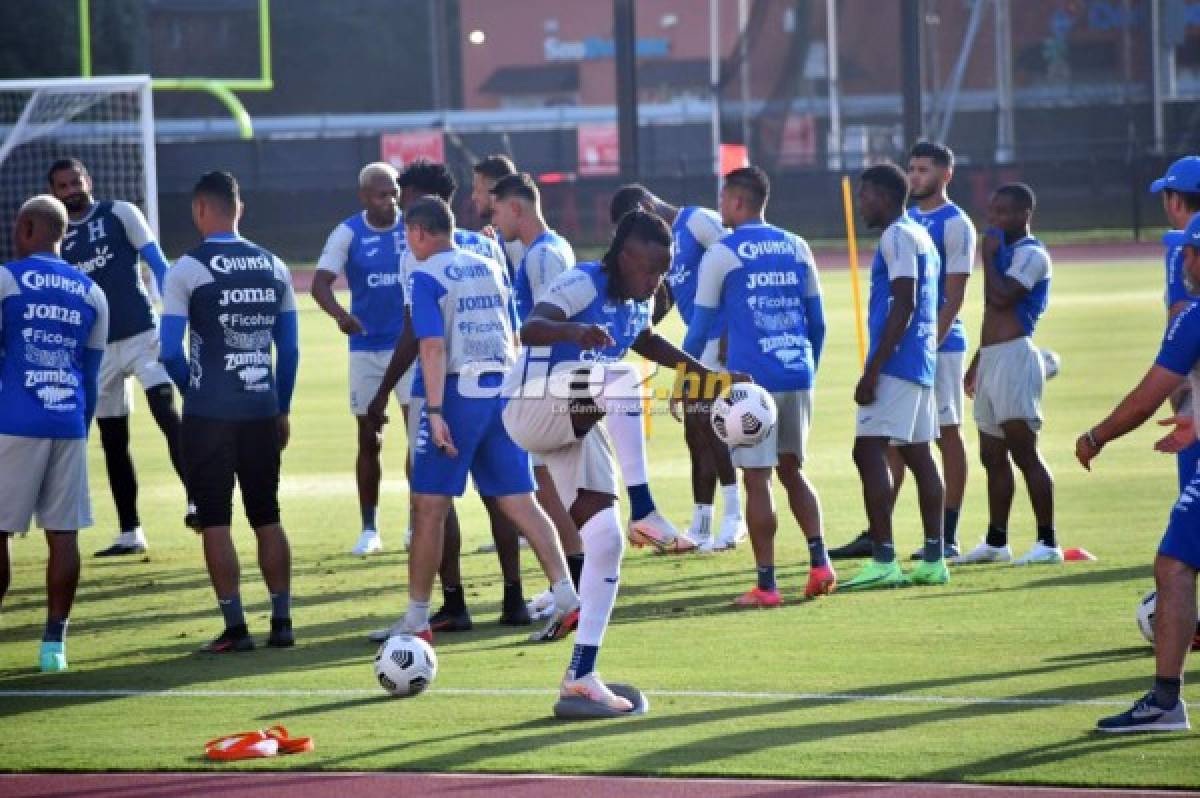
x=1180 y=189
x=367 y=248
x=895 y=393
x=53 y=330
x=763 y=281
x=236 y=299
x=1006 y=377
x=578 y=332
x=694 y=230
x=464 y=322
x=1178 y=557
x=484 y=176
x=105 y=240
x=419 y=179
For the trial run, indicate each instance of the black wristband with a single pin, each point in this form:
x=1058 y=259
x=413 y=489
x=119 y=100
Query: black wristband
x=433 y=410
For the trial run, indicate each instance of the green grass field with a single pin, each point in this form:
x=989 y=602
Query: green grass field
x=997 y=677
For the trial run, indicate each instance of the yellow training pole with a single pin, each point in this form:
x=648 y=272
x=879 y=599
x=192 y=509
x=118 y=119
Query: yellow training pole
x=647 y=399
x=852 y=241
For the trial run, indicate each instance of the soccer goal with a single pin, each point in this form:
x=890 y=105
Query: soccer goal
x=107 y=122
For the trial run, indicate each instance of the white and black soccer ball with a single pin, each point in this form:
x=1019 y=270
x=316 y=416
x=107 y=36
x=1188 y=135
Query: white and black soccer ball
x=1051 y=363
x=1145 y=615
x=405 y=665
x=744 y=414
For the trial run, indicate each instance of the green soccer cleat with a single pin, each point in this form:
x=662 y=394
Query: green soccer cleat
x=876 y=574
x=930 y=573
x=52 y=658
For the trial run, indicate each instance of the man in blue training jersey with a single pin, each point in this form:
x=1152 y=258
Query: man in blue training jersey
x=105 y=240
x=1007 y=375
x=568 y=378
x=1180 y=190
x=693 y=231
x=463 y=319
x=426 y=178
x=53 y=330
x=366 y=248
x=762 y=281
x=895 y=394
x=236 y=301
x=1178 y=557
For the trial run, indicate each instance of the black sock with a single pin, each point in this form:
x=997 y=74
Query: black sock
x=453 y=599
x=513 y=594
x=996 y=537
x=122 y=479
x=238 y=630
x=1166 y=692
x=575 y=566
x=950 y=526
x=1045 y=536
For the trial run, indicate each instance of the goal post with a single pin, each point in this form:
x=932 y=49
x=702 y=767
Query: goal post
x=106 y=122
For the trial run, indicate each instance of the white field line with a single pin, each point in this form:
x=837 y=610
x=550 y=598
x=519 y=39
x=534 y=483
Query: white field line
x=531 y=691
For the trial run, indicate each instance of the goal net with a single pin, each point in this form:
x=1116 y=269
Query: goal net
x=108 y=123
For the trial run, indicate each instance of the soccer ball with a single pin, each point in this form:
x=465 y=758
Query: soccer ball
x=1051 y=363
x=405 y=665
x=744 y=414
x=1145 y=616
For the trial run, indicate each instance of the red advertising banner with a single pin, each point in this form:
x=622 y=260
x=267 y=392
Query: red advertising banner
x=401 y=149
x=599 y=151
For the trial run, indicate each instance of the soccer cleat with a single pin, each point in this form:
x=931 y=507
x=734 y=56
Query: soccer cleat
x=877 y=574
x=949 y=551
x=52 y=658
x=930 y=573
x=859 y=547
x=517 y=613
x=984 y=553
x=541 y=606
x=227 y=642
x=561 y=624
x=757 y=597
x=822 y=580
x=281 y=635
x=445 y=620
x=654 y=530
x=733 y=531
x=369 y=542
x=400 y=628
x=1146 y=716
x=130 y=541
x=1040 y=554
x=591 y=688
x=681 y=545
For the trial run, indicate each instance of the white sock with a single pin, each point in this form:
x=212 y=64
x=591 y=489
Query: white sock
x=702 y=517
x=603 y=546
x=417 y=616
x=564 y=593
x=629 y=441
x=733 y=501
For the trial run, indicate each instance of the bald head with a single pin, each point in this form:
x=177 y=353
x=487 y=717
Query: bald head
x=40 y=226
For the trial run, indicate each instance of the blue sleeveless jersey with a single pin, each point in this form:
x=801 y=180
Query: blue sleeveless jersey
x=1033 y=304
x=934 y=223
x=915 y=359
x=99 y=246
x=376 y=287
x=47 y=321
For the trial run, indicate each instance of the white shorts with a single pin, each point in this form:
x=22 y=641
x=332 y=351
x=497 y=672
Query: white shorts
x=135 y=356
x=1008 y=386
x=789 y=435
x=903 y=411
x=543 y=427
x=948 y=388
x=366 y=374
x=47 y=477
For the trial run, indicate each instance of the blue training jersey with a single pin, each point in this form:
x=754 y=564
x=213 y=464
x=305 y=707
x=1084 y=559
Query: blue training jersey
x=1027 y=262
x=49 y=314
x=764 y=280
x=906 y=250
x=1180 y=349
x=104 y=245
x=547 y=256
x=694 y=230
x=1176 y=288
x=232 y=293
x=954 y=238
x=582 y=295
x=370 y=259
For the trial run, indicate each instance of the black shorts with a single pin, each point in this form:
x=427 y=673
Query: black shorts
x=215 y=452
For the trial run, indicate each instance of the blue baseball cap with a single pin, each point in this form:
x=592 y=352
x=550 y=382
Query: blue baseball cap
x=1183 y=175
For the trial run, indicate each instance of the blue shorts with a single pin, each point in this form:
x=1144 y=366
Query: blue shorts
x=1181 y=541
x=496 y=464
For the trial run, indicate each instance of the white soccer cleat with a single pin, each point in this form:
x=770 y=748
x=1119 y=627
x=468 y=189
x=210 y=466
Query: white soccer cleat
x=132 y=541
x=400 y=627
x=369 y=542
x=541 y=606
x=733 y=531
x=1040 y=554
x=591 y=688
x=984 y=553
x=654 y=530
